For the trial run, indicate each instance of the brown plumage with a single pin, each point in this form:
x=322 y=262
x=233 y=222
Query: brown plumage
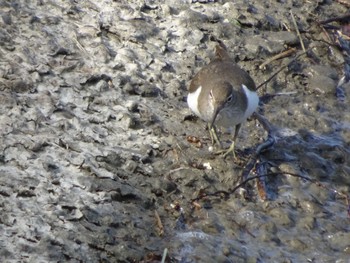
x=221 y=93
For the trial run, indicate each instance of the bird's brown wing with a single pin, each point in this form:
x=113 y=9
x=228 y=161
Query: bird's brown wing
x=200 y=78
x=223 y=67
x=221 y=52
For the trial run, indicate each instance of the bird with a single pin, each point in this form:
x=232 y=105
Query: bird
x=222 y=94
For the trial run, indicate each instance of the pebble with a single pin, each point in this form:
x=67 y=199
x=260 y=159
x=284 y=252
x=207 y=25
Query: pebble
x=281 y=216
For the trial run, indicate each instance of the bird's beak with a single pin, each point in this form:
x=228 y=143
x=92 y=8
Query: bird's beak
x=216 y=112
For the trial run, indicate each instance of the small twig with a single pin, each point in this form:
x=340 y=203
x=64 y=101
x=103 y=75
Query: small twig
x=272 y=76
x=284 y=93
x=265 y=123
x=165 y=252
x=282 y=68
x=216 y=193
x=159 y=224
x=278 y=56
x=298 y=32
x=339 y=90
x=176 y=170
x=253 y=159
x=328 y=39
x=314 y=181
x=261 y=147
x=333 y=19
x=286 y=26
x=79 y=45
x=261 y=168
x=244 y=227
x=344 y=2
x=227 y=193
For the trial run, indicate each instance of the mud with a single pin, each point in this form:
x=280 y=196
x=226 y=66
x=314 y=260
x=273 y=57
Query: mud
x=96 y=164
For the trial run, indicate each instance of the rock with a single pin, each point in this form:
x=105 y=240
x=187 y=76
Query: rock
x=270 y=43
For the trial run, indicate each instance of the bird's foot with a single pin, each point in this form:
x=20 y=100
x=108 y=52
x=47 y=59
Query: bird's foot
x=214 y=136
x=228 y=151
x=215 y=139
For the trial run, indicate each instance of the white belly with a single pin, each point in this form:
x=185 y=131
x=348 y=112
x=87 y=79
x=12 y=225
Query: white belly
x=192 y=101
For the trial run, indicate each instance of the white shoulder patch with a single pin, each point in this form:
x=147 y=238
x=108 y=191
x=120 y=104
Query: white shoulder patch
x=253 y=101
x=192 y=100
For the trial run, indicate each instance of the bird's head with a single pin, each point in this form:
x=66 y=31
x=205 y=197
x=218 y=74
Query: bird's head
x=220 y=97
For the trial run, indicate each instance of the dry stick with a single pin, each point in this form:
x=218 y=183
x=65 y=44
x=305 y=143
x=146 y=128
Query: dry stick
x=333 y=19
x=80 y=46
x=176 y=170
x=273 y=75
x=328 y=40
x=165 y=252
x=261 y=147
x=159 y=223
x=278 y=56
x=314 y=181
x=250 y=165
x=344 y=2
x=282 y=68
x=297 y=29
x=265 y=123
x=261 y=182
x=243 y=226
x=228 y=193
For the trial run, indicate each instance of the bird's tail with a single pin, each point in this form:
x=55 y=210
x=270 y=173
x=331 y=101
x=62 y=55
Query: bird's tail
x=221 y=51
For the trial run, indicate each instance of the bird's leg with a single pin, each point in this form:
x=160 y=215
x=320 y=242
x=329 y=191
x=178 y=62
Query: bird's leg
x=231 y=149
x=213 y=135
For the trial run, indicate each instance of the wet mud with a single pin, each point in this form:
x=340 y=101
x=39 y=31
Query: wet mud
x=102 y=161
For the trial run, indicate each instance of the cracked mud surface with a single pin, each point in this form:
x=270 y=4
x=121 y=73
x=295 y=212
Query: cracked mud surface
x=94 y=128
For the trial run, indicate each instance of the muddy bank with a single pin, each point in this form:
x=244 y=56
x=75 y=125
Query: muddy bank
x=95 y=161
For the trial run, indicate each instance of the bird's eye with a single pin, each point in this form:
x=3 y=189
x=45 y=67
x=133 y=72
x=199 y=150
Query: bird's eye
x=229 y=99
